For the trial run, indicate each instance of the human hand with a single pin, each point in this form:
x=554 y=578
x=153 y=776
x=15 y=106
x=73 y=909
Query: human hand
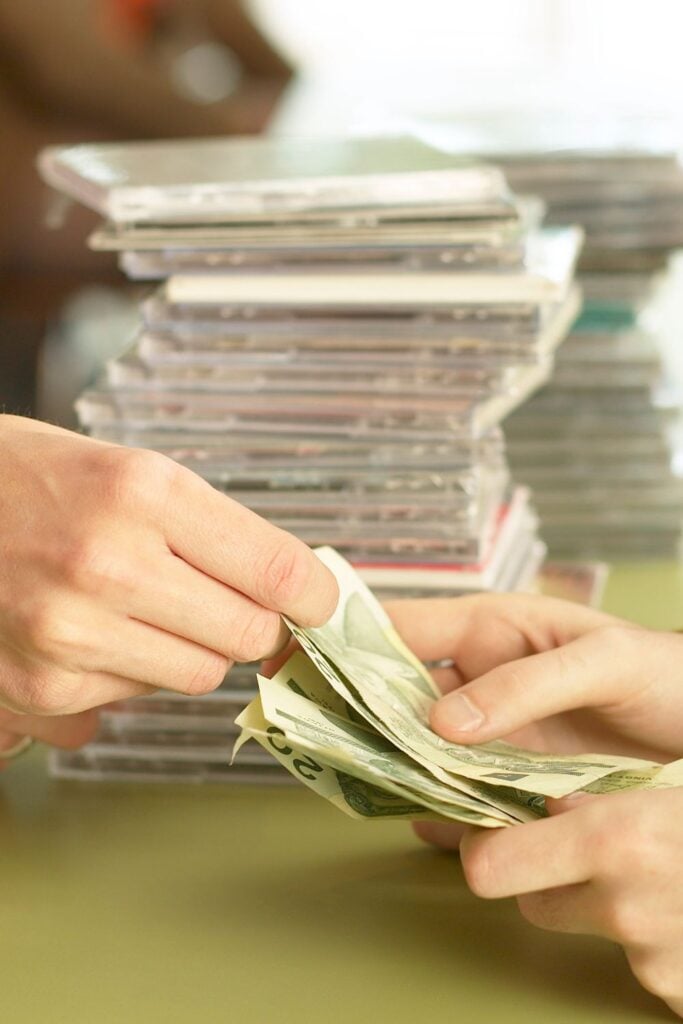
x=549 y=675
x=608 y=866
x=121 y=572
x=66 y=731
x=555 y=676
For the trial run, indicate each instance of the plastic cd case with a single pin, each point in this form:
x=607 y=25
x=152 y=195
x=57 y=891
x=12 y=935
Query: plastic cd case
x=581 y=582
x=429 y=226
x=397 y=482
x=502 y=332
x=384 y=416
x=444 y=342
x=427 y=508
x=510 y=528
x=169 y=737
x=314 y=376
x=545 y=276
x=135 y=763
x=141 y=265
x=213 y=179
x=242 y=320
x=342 y=454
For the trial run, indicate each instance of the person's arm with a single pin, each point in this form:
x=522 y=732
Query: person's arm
x=69 y=67
x=553 y=676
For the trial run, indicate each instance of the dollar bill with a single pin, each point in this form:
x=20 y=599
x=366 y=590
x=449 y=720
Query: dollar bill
x=306 y=678
x=347 y=792
x=349 y=716
x=354 y=748
x=361 y=655
x=659 y=776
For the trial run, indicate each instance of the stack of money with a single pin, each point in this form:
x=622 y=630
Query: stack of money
x=598 y=444
x=339 y=331
x=348 y=716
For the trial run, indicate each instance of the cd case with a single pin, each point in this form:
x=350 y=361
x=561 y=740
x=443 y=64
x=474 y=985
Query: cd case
x=191 y=180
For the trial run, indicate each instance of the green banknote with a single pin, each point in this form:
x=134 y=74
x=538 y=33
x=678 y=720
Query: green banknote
x=352 y=747
x=354 y=796
x=349 y=716
x=374 y=663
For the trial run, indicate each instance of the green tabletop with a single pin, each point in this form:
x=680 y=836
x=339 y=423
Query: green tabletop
x=122 y=904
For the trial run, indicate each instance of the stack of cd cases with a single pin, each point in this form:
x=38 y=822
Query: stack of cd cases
x=336 y=332
x=595 y=443
x=600 y=445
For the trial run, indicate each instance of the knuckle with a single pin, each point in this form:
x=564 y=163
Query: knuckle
x=48 y=632
x=625 y=922
x=643 y=845
x=570 y=662
x=658 y=975
x=537 y=909
x=514 y=679
x=607 y=849
x=639 y=844
x=328 y=600
x=91 y=564
x=286 y=573
x=207 y=676
x=617 y=637
x=602 y=848
x=483 y=604
x=257 y=638
x=45 y=694
x=135 y=476
x=485 y=609
x=476 y=866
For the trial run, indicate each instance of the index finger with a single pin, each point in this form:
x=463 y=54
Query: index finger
x=593 y=671
x=482 y=631
x=545 y=854
x=227 y=541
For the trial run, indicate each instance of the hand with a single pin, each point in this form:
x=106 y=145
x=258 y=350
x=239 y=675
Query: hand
x=548 y=675
x=554 y=676
x=121 y=572
x=65 y=731
x=608 y=866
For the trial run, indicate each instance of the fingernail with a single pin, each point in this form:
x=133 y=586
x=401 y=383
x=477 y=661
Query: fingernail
x=460 y=713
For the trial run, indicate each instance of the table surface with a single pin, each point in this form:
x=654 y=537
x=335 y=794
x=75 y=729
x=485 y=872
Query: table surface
x=122 y=904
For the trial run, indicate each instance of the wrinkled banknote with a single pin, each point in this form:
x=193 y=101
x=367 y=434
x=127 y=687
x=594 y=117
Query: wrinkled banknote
x=349 y=715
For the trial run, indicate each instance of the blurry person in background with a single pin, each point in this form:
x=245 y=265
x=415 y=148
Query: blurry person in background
x=81 y=70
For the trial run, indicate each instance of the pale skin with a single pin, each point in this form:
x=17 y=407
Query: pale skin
x=121 y=572
x=550 y=675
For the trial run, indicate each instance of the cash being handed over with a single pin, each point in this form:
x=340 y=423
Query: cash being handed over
x=348 y=715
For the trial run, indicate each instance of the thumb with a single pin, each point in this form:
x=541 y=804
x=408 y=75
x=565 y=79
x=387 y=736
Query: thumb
x=587 y=672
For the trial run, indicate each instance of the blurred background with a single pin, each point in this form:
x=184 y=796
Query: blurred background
x=493 y=76
x=93 y=70
x=385 y=60
x=153 y=68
